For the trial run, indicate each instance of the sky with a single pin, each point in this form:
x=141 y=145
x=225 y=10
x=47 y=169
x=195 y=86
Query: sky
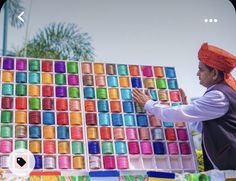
x=147 y=32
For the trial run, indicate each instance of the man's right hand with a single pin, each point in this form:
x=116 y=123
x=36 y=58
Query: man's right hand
x=140 y=97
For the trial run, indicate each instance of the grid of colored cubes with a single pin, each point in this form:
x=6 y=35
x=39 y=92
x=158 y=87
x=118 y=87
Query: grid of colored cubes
x=81 y=115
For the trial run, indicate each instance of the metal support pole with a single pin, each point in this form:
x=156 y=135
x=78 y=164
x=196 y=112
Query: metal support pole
x=5 y=29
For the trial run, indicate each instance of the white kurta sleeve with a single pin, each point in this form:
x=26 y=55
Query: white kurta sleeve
x=212 y=105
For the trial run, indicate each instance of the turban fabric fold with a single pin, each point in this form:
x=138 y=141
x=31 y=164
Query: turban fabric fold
x=219 y=59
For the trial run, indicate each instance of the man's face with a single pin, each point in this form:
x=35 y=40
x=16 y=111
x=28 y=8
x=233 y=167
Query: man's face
x=205 y=75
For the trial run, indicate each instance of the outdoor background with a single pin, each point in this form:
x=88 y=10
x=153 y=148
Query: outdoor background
x=155 y=32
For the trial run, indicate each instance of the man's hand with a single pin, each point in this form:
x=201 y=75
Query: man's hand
x=183 y=96
x=140 y=97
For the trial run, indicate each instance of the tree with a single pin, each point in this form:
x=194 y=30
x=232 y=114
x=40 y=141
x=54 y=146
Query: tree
x=59 y=41
x=12 y=9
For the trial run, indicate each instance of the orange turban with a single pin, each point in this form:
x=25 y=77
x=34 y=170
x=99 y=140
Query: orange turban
x=219 y=59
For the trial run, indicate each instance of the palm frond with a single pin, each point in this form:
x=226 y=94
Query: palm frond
x=60 y=41
x=14 y=9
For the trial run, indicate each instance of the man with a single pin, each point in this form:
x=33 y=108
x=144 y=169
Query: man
x=214 y=112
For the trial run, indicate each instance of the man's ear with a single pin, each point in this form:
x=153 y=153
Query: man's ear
x=216 y=74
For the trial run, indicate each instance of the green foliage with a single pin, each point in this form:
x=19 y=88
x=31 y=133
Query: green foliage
x=194 y=132
x=200 y=160
x=59 y=41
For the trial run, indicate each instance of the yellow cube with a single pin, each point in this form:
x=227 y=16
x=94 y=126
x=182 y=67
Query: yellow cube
x=47 y=78
x=7 y=76
x=34 y=90
x=20 y=117
x=75 y=118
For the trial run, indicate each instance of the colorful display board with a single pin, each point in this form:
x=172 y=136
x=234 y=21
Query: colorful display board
x=80 y=116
